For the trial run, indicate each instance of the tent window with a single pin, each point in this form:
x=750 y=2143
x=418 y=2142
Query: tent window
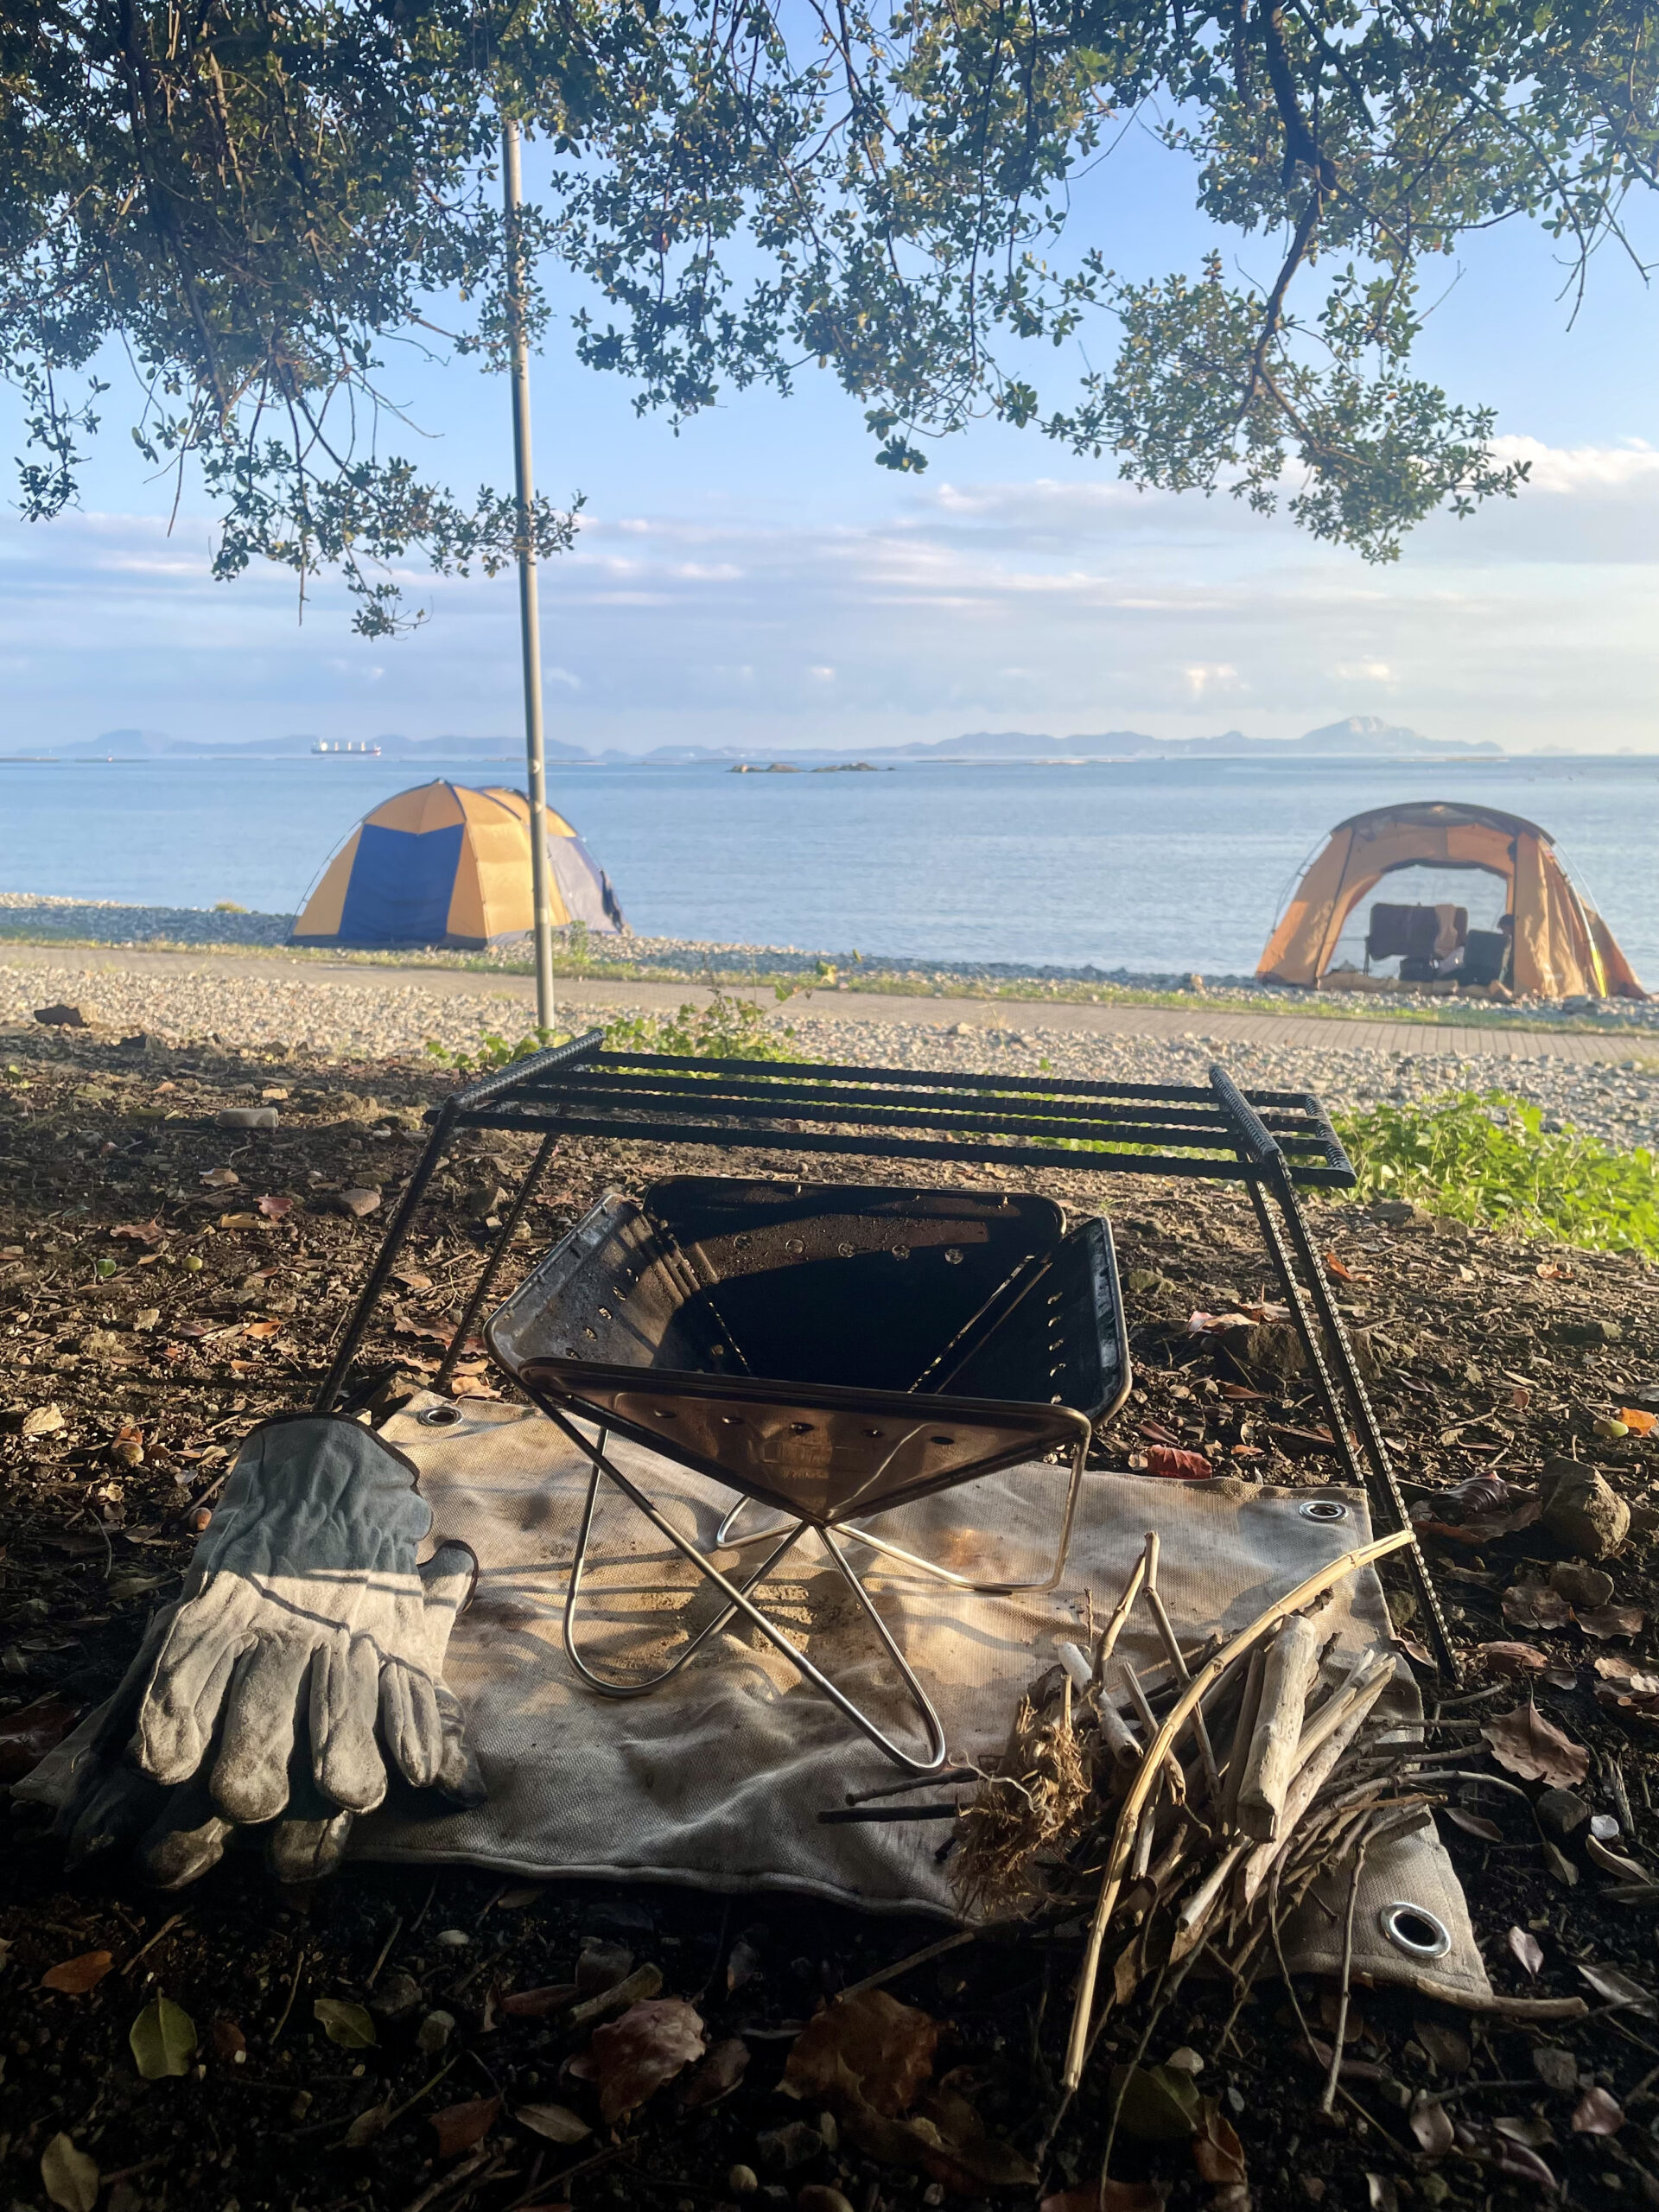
x=1484 y=895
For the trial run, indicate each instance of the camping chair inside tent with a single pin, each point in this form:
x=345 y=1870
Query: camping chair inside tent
x=829 y=1352
x=1420 y=937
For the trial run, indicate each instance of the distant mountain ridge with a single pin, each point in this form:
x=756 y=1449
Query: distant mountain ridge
x=1356 y=737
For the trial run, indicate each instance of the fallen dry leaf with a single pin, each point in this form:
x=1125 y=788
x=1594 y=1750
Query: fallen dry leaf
x=69 y=2178
x=147 y=1233
x=1604 y=1621
x=1335 y=1269
x=1615 y=1862
x=945 y=2138
x=557 y=2123
x=1639 y=1422
x=1534 y=1605
x=1598 y=2114
x=1527 y=1744
x=1527 y=1948
x=1473 y=1824
x=75 y=1977
x=228 y=2040
x=1177 y=1465
x=631 y=2058
x=1216 y=2152
x=460 y=2127
x=162 y=2040
x=351 y=2026
x=26 y=1735
x=1619 y=1989
x=274 y=1208
x=870 y=2046
x=1431 y=2125
x=1512 y=1658
x=1446 y=2048
x=370 y=2123
x=1529 y=2130
x=221 y=1178
x=717 y=2075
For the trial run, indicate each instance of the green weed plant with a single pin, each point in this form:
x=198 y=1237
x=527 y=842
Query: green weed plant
x=727 y=1028
x=1484 y=1157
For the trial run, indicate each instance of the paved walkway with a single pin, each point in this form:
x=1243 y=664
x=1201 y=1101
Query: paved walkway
x=1319 y=1032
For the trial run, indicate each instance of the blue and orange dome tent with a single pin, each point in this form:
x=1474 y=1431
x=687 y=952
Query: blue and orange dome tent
x=446 y=865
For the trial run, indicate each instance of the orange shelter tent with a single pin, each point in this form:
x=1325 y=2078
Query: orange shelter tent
x=1562 y=947
x=446 y=865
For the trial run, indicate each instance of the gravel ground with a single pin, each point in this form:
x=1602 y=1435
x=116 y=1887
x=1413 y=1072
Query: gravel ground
x=41 y=919
x=1618 y=1102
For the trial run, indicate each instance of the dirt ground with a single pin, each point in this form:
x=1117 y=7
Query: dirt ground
x=154 y=1308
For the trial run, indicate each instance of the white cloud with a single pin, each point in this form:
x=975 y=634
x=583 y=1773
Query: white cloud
x=1211 y=678
x=1055 y=607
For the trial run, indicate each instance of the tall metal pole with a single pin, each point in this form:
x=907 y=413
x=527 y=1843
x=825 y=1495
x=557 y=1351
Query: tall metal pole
x=530 y=618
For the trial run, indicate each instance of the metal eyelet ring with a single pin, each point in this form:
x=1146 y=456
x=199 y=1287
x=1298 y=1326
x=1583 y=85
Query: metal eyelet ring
x=1414 y=1930
x=440 y=1416
x=1323 y=1508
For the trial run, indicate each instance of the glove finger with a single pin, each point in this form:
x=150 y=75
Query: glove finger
x=304 y=1851
x=261 y=1710
x=108 y=1805
x=186 y=1838
x=459 y=1776
x=180 y=1707
x=113 y=1722
x=447 y=1582
x=345 y=1699
x=409 y=1716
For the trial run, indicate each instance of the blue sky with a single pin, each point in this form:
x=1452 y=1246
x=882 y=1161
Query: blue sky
x=756 y=580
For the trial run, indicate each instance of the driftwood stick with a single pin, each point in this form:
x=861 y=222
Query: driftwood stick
x=1140 y=1789
x=1118 y=1737
x=1308 y=1784
x=1192 y=1920
x=1289 y=1669
x=1372 y=1674
x=1328 y=2102
x=1249 y=1705
x=1120 y=1741
x=1174 y=1773
x=1106 y=1643
x=1171 y=1646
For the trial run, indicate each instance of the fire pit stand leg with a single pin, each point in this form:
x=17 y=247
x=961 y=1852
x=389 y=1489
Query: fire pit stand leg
x=1271 y=1188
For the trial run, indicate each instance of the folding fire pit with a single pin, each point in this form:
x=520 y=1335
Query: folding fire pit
x=833 y=1352
x=830 y=1352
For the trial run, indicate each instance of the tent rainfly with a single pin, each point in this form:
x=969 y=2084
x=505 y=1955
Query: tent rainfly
x=444 y=865
x=1562 y=947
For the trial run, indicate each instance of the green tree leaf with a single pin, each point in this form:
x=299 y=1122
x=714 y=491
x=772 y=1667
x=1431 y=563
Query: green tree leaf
x=162 y=2039
x=349 y=2026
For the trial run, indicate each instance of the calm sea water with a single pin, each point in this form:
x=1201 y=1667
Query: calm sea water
x=1146 y=865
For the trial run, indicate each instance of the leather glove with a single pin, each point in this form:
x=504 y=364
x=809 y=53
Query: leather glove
x=305 y=1653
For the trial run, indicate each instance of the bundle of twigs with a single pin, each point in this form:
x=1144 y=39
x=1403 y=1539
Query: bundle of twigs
x=1205 y=1801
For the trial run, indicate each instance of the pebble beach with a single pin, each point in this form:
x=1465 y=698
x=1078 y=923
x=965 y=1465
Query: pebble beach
x=378 y=1016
